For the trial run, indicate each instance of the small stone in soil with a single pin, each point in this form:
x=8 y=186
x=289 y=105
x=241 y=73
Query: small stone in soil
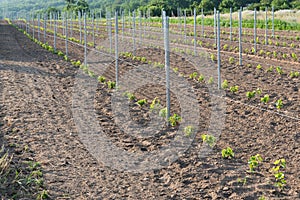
x=225 y=189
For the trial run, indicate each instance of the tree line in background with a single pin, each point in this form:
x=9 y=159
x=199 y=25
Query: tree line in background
x=155 y=6
x=171 y=6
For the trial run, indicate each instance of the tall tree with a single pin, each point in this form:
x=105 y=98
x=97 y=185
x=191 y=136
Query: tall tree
x=70 y=4
x=81 y=6
x=209 y=5
x=227 y=4
x=281 y=4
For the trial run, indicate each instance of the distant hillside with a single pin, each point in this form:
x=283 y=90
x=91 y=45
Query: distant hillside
x=12 y=7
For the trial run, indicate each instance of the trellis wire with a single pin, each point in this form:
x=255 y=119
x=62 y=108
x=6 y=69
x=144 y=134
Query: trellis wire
x=229 y=99
x=254 y=107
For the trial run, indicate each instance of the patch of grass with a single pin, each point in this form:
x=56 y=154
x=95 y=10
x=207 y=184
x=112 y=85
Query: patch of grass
x=5 y=160
x=20 y=179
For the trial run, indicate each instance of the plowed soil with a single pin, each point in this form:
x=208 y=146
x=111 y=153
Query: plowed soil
x=37 y=90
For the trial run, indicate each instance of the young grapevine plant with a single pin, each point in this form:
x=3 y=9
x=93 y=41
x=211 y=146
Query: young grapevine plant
x=155 y=104
x=209 y=139
x=163 y=113
x=280 y=181
x=111 y=84
x=193 y=75
x=254 y=161
x=141 y=102
x=234 y=88
x=101 y=79
x=201 y=78
x=224 y=84
x=279 y=70
x=174 y=120
x=294 y=74
x=252 y=94
x=279 y=104
x=188 y=130
x=265 y=99
x=129 y=96
x=227 y=153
